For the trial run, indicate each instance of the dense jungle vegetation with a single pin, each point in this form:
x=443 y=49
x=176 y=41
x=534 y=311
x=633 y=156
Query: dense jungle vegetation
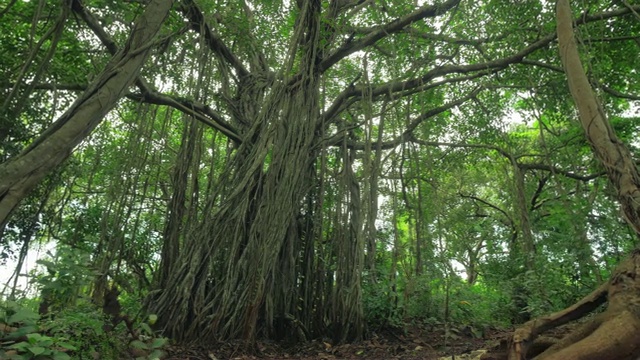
x=210 y=171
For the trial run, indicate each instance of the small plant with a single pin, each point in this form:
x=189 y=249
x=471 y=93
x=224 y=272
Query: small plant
x=20 y=337
x=83 y=327
x=148 y=346
x=39 y=346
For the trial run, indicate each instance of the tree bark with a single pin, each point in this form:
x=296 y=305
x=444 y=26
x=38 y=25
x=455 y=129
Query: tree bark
x=612 y=153
x=19 y=175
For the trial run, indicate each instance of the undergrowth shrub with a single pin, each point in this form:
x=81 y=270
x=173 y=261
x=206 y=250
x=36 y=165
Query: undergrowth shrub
x=83 y=326
x=23 y=338
x=382 y=305
x=422 y=301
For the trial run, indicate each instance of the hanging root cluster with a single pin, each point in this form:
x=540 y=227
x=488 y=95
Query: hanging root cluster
x=255 y=265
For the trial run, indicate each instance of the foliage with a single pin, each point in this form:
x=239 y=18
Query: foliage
x=153 y=345
x=25 y=340
x=83 y=326
x=78 y=331
x=67 y=272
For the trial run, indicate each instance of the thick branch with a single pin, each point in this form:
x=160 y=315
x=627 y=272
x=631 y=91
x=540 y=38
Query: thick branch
x=202 y=113
x=351 y=93
x=199 y=25
x=20 y=174
x=407 y=135
x=393 y=27
x=613 y=154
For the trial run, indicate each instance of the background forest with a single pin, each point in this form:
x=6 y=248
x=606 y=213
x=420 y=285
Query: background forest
x=299 y=170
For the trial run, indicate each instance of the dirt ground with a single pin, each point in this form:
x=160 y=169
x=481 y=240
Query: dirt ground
x=386 y=344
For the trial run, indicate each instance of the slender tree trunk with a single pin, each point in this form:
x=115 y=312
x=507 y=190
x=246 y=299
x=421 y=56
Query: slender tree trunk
x=524 y=222
x=614 y=334
x=177 y=207
x=19 y=175
x=420 y=233
x=395 y=253
x=347 y=297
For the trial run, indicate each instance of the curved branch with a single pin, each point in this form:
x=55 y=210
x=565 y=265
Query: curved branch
x=407 y=135
x=510 y=221
x=565 y=173
x=198 y=24
x=346 y=99
x=403 y=86
x=395 y=26
x=200 y=112
x=355 y=92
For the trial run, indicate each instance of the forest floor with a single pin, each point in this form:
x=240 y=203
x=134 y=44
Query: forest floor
x=386 y=344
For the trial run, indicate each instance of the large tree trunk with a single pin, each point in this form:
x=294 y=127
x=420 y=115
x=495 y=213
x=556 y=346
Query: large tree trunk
x=239 y=275
x=227 y=276
x=21 y=174
x=615 y=334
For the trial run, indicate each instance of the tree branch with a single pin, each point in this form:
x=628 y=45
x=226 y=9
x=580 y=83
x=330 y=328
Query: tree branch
x=407 y=135
x=393 y=87
x=509 y=221
x=395 y=26
x=200 y=112
x=199 y=25
x=347 y=98
x=565 y=173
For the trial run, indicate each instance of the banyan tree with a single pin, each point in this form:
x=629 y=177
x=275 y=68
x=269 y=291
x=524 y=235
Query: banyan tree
x=277 y=238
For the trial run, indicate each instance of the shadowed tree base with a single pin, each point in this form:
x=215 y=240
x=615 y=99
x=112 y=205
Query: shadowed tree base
x=614 y=334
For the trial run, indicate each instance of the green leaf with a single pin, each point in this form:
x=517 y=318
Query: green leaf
x=158 y=343
x=21 y=346
x=155 y=355
x=34 y=338
x=67 y=346
x=36 y=350
x=137 y=344
x=61 y=356
x=45 y=341
x=22 y=315
x=22 y=331
x=146 y=328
